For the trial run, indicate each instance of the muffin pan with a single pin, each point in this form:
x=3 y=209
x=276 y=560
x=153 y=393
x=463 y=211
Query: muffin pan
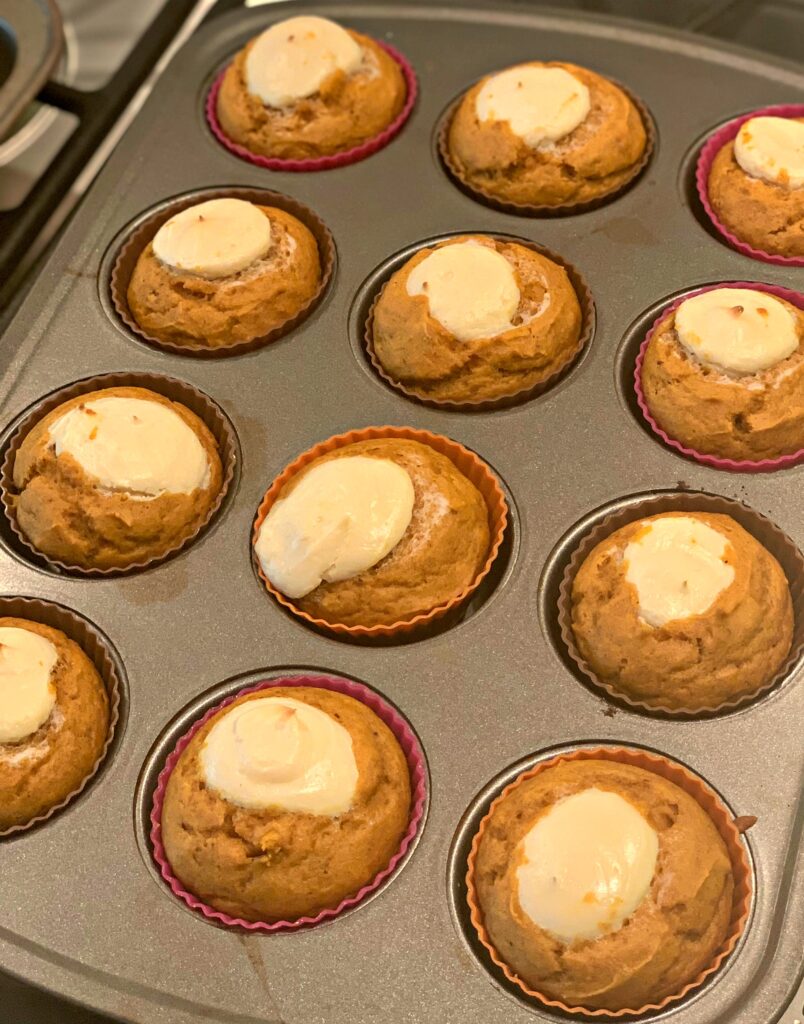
x=85 y=910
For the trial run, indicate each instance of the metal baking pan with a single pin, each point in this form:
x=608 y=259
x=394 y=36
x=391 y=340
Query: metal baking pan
x=83 y=911
x=31 y=42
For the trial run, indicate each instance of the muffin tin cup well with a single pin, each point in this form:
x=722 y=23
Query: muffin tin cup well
x=99 y=651
x=322 y=163
x=544 y=209
x=142 y=232
x=766 y=532
x=176 y=391
x=711 y=148
x=734 y=465
x=472 y=467
x=418 y=785
x=587 y=304
x=723 y=820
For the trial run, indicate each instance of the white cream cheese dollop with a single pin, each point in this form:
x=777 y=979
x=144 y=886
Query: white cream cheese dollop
x=772 y=148
x=738 y=330
x=541 y=105
x=281 y=752
x=292 y=59
x=471 y=289
x=678 y=567
x=586 y=865
x=27 y=695
x=344 y=516
x=214 y=239
x=134 y=445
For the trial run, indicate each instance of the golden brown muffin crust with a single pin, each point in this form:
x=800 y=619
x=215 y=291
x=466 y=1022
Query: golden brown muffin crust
x=593 y=160
x=769 y=217
x=439 y=555
x=41 y=770
x=417 y=350
x=669 y=939
x=347 y=110
x=732 y=649
x=66 y=516
x=184 y=308
x=274 y=864
x=748 y=417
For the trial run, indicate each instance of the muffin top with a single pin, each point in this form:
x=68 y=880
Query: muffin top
x=546 y=133
x=682 y=610
x=475 y=317
x=374 y=532
x=602 y=884
x=724 y=374
x=285 y=802
x=54 y=719
x=306 y=87
x=128 y=441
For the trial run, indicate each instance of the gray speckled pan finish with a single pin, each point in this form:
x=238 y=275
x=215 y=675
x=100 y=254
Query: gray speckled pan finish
x=81 y=910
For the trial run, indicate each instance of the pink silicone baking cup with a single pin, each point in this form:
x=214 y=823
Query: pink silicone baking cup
x=321 y=163
x=418 y=784
x=732 y=465
x=711 y=148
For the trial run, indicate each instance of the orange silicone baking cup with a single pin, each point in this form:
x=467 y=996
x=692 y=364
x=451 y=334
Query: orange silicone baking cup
x=543 y=209
x=723 y=820
x=472 y=467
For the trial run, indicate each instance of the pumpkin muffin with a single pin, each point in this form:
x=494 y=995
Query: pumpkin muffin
x=756 y=185
x=115 y=477
x=307 y=88
x=723 y=373
x=475 y=318
x=284 y=803
x=546 y=133
x=373 y=533
x=224 y=272
x=54 y=719
x=603 y=884
x=682 y=610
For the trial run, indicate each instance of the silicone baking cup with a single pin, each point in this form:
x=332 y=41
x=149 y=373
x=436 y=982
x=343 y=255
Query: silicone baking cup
x=138 y=237
x=711 y=148
x=587 y=304
x=767 y=533
x=724 y=822
x=418 y=785
x=99 y=652
x=175 y=390
x=543 y=209
x=472 y=467
x=322 y=163
x=733 y=465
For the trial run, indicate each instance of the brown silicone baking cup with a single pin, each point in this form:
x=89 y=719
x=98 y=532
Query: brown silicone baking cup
x=544 y=209
x=587 y=304
x=98 y=650
x=723 y=820
x=143 y=231
x=176 y=391
x=472 y=467
x=766 y=532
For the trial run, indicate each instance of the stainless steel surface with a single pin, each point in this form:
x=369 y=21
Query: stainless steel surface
x=82 y=912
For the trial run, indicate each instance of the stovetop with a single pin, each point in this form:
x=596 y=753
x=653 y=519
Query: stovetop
x=100 y=71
